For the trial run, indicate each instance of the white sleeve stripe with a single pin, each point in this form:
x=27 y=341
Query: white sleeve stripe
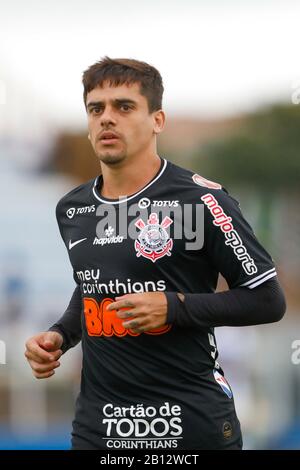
x=261 y=281
x=258 y=277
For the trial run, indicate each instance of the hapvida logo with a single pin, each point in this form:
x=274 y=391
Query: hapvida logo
x=109 y=238
x=102 y=322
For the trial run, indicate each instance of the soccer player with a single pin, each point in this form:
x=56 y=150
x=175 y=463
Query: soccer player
x=147 y=241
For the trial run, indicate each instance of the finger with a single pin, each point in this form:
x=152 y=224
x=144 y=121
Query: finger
x=127 y=314
x=42 y=368
x=134 y=324
x=141 y=329
x=45 y=375
x=131 y=324
x=121 y=304
x=35 y=348
x=48 y=345
x=140 y=326
x=41 y=356
x=144 y=327
x=50 y=341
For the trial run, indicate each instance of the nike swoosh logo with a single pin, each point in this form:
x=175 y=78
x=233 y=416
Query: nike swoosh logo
x=75 y=243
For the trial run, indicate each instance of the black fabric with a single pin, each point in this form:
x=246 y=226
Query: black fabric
x=164 y=388
x=236 y=307
x=69 y=325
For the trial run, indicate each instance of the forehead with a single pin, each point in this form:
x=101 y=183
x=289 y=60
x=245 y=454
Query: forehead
x=107 y=93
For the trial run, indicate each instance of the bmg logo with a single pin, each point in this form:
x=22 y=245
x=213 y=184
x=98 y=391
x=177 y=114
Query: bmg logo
x=2 y=352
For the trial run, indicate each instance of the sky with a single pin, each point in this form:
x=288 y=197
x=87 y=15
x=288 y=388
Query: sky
x=217 y=57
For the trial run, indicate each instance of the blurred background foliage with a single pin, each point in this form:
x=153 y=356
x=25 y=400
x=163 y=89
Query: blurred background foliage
x=261 y=149
x=264 y=153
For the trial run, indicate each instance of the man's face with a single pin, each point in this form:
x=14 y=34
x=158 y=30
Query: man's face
x=119 y=122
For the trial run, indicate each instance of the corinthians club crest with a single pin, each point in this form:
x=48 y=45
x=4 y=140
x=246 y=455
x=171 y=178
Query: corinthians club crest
x=153 y=242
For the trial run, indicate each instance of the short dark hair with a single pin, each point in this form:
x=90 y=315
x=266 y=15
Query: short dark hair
x=120 y=71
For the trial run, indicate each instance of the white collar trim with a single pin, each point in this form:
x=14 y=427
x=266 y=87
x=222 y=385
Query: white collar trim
x=105 y=201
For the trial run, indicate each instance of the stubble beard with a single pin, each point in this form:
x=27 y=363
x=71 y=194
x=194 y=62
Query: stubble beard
x=109 y=158
x=110 y=155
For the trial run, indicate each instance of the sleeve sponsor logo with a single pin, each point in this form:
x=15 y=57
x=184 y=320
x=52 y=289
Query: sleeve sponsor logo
x=71 y=212
x=145 y=202
x=232 y=238
x=205 y=183
x=79 y=211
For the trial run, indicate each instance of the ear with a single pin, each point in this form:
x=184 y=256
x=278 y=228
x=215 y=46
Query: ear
x=89 y=137
x=159 y=118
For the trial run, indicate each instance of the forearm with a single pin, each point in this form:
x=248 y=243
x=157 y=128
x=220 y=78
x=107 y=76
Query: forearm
x=69 y=325
x=236 y=307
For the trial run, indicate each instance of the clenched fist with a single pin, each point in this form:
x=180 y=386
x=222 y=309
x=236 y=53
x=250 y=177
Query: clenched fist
x=42 y=352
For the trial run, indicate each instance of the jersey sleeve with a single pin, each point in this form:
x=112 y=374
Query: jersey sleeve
x=58 y=214
x=69 y=325
x=231 y=244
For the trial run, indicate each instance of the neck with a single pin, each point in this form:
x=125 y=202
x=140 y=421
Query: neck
x=129 y=177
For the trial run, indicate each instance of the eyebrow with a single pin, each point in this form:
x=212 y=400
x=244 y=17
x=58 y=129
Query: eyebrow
x=116 y=101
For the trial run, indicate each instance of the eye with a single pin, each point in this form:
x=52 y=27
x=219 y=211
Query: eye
x=96 y=110
x=124 y=107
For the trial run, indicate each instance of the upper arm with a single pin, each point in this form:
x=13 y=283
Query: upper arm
x=231 y=244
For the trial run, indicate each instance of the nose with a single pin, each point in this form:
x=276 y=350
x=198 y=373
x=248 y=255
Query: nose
x=107 y=117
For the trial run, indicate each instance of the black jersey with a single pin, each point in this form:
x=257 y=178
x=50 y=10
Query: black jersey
x=161 y=389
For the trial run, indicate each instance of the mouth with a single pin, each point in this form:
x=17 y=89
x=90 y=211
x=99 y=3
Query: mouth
x=108 y=138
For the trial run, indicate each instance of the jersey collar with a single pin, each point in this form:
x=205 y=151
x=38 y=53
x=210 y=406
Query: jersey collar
x=119 y=201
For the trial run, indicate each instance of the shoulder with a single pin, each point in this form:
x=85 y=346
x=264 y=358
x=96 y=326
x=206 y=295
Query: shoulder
x=77 y=196
x=198 y=188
